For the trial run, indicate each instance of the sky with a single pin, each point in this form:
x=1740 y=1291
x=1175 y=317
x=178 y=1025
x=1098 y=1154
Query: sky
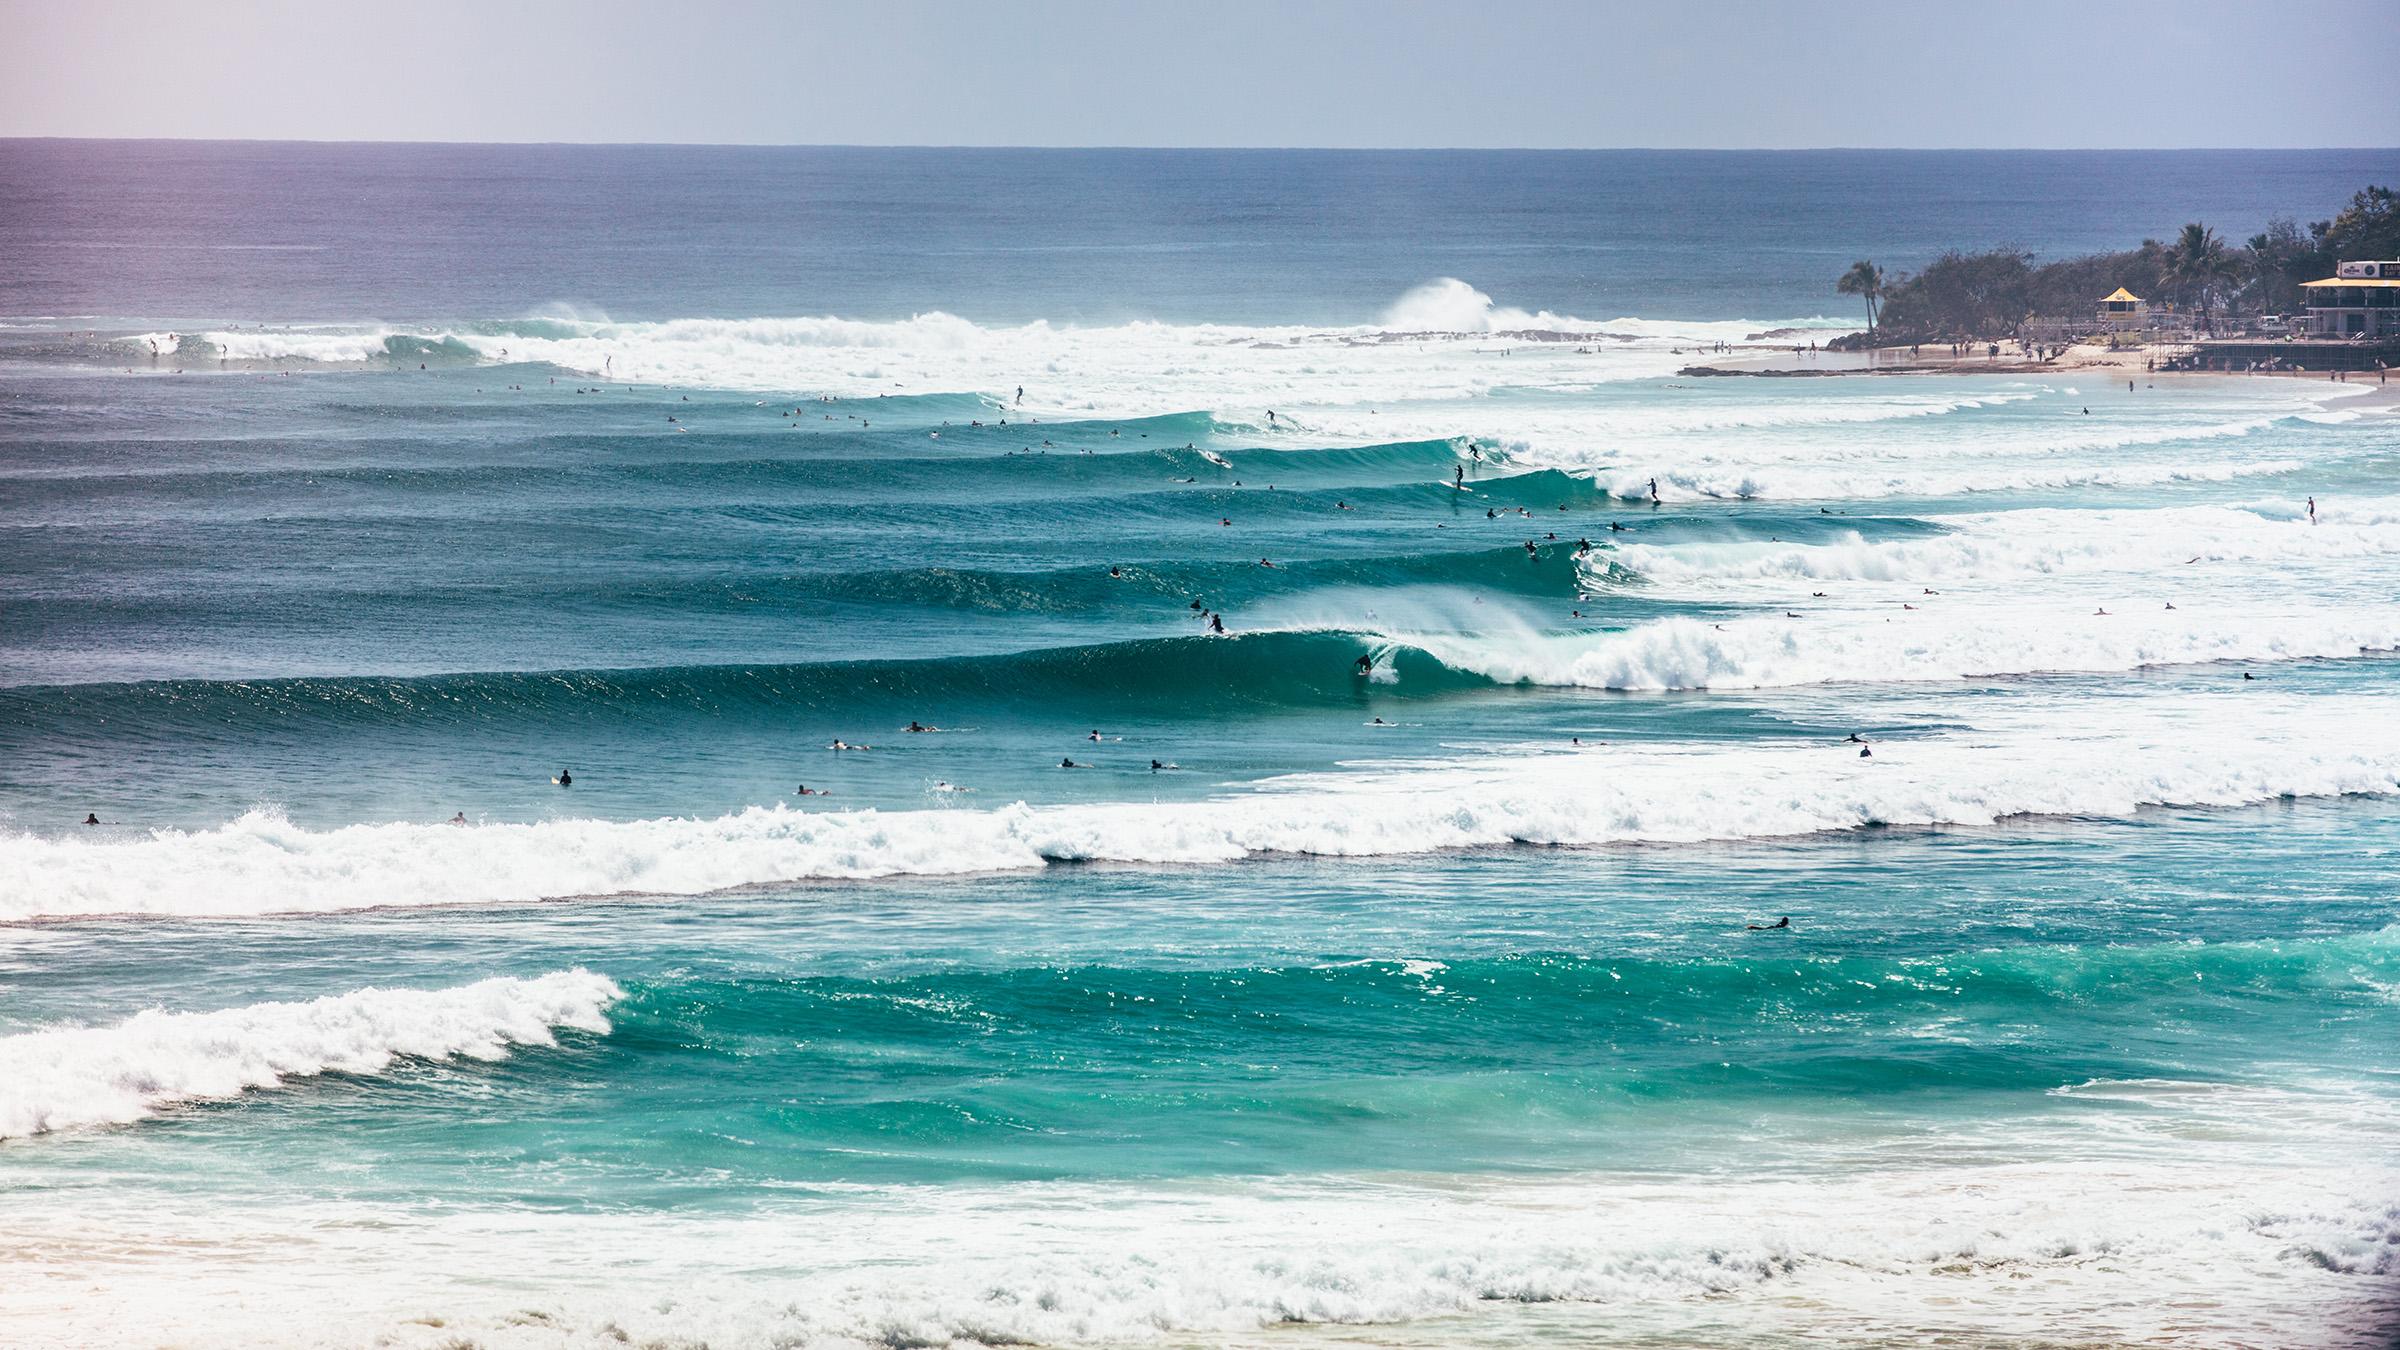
x=1351 y=73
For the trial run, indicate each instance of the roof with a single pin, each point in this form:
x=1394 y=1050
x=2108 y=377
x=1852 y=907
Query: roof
x=2120 y=294
x=2354 y=281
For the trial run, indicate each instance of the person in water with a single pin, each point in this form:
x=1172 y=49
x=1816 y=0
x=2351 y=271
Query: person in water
x=1216 y=623
x=1366 y=665
x=919 y=726
x=565 y=779
x=459 y=819
x=806 y=791
x=91 y=818
x=1069 y=764
x=1784 y=922
x=1654 y=492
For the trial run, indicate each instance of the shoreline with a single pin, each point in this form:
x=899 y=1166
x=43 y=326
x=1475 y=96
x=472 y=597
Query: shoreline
x=2082 y=359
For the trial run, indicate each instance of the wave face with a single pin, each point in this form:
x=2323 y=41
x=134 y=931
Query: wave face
x=2081 y=764
x=69 y=1077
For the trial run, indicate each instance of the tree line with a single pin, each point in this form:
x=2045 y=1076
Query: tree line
x=1963 y=297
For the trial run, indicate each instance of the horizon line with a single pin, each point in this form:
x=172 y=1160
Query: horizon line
x=1217 y=149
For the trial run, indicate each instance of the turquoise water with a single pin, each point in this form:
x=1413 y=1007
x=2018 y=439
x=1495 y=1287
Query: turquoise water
x=1407 y=1003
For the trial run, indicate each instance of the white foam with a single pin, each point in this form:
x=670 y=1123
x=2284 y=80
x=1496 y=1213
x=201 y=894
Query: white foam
x=2017 y=545
x=1894 y=645
x=2193 y=1247
x=2089 y=758
x=1435 y=344
x=61 y=1078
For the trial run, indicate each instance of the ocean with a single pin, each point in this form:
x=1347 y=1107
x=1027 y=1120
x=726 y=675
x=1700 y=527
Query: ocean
x=1378 y=970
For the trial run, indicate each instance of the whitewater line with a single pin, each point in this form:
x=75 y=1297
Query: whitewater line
x=2069 y=761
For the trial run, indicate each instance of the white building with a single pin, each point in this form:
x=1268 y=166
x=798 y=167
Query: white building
x=2361 y=299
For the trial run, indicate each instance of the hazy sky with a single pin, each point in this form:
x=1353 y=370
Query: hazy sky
x=1732 y=73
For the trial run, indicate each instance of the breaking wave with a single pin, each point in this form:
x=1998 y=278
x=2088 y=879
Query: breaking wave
x=64 y=1077
x=2110 y=764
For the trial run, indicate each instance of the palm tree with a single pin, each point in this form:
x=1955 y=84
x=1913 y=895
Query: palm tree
x=1865 y=279
x=2197 y=262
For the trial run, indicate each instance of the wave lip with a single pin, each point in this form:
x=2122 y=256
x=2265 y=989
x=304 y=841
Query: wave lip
x=63 y=1078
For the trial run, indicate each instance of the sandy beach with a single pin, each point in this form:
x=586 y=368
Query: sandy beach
x=2128 y=362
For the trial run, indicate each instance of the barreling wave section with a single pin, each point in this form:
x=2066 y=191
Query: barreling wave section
x=1423 y=642
x=1196 y=674
x=1227 y=585
x=67 y=1077
x=2109 y=758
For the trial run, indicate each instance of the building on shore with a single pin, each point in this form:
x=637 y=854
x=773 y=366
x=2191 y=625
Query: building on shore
x=2361 y=300
x=2122 y=309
